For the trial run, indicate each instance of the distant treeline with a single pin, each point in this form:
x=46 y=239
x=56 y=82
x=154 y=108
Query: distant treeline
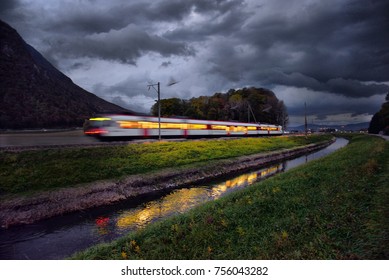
x=380 y=121
x=244 y=105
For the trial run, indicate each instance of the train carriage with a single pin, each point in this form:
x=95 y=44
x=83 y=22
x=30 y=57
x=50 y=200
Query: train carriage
x=124 y=126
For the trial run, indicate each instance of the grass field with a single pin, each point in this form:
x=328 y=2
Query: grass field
x=333 y=208
x=28 y=172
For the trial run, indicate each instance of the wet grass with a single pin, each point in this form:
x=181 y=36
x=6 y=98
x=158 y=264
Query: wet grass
x=28 y=172
x=333 y=208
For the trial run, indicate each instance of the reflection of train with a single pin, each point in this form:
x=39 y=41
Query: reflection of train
x=148 y=127
x=181 y=200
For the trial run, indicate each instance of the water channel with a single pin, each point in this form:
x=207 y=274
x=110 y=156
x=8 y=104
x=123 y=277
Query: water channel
x=60 y=237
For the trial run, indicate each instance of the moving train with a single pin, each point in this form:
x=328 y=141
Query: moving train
x=126 y=126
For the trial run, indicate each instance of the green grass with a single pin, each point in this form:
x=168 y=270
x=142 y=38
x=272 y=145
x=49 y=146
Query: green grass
x=27 y=172
x=333 y=208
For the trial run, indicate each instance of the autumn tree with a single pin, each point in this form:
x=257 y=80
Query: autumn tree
x=244 y=105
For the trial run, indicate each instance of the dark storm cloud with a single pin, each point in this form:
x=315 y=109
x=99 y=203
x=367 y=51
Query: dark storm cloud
x=125 y=45
x=178 y=10
x=354 y=88
x=338 y=48
x=351 y=88
x=121 y=31
x=9 y=10
x=222 y=20
x=7 y=5
x=165 y=64
x=117 y=15
x=334 y=48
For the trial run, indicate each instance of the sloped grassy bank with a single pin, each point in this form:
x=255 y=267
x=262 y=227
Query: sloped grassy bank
x=333 y=208
x=44 y=204
x=28 y=172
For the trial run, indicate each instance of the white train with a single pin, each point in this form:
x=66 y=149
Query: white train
x=123 y=126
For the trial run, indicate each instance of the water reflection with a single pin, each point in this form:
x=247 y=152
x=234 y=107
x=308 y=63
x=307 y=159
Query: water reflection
x=60 y=237
x=339 y=143
x=178 y=201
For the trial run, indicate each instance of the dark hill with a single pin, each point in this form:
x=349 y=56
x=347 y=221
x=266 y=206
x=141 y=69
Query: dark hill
x=380 y=121
x=34 y=94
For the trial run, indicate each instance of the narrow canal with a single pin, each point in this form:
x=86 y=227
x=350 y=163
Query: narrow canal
x=60 y=237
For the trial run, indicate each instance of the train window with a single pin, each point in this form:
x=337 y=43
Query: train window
x=237 y=128
x=197 y=126
x=219 y=127
x=128 y=124
x=271 y=128
x=148 y=125
x=173 y=125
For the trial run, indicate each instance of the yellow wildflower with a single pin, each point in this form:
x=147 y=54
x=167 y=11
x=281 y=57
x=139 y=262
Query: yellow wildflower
x=124 y=255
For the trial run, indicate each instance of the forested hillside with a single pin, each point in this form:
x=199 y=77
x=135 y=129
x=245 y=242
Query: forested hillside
x=246 y=105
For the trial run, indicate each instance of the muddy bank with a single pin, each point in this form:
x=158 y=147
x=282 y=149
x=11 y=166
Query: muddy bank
x=31 y=209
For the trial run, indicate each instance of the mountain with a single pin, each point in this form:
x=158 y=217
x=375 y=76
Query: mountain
x=346 y=127
x=34 y=94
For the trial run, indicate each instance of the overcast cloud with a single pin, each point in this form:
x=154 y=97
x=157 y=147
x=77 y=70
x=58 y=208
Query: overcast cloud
x=333 y=54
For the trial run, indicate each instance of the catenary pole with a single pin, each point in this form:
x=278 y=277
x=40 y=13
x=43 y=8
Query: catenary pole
x=158 y=90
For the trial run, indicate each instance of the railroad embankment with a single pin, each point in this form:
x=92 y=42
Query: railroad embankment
x=27 y=208
x=333 y=208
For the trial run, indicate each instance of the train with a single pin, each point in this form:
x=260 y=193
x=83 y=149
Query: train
x=132 y=126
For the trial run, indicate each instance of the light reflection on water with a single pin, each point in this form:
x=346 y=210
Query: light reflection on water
x=180 y=201
x=60 y=237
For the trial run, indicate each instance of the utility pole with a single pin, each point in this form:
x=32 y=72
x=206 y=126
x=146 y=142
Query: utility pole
x=250 y=110
x=306 y=124
x=159 y=112
x=159 y=106
x=158 y=90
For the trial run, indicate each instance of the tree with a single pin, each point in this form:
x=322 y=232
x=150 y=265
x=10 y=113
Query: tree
x=247 y=104
x=236 y=105
x=380 y=120
x=376 y=123
x=169 y=107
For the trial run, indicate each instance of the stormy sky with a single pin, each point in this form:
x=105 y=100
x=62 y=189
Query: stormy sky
x=332 y=55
